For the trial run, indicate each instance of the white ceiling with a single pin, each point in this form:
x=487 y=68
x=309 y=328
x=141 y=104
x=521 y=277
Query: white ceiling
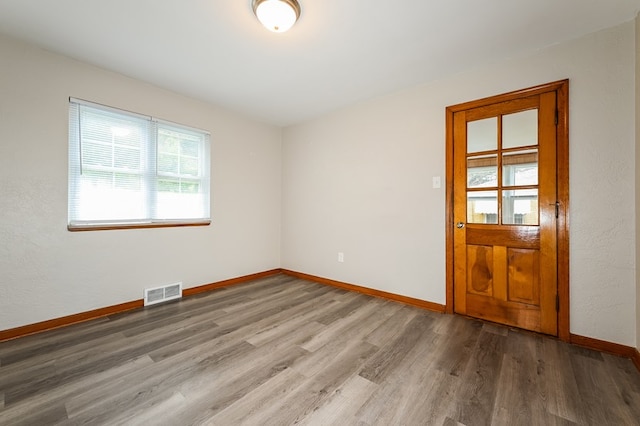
x=340 y=51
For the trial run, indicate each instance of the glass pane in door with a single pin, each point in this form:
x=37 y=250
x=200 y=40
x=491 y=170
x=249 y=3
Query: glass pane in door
x=482 y=207
x=482 y=135
x=482 y=171
x=520 y=129
x=520 y=168
x=520 y=207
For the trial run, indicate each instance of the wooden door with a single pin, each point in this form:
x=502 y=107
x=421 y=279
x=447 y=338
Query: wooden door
x=505 y=210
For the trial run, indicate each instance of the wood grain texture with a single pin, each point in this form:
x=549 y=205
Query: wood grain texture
x=85 y=228
x=554 y=94
x=603 y=346
x=485 y=247
x=281 y=350
x=519 y=236
x=123 y=307
x=67 y=320
x=559 y=85
x=435 y=307
x=562 y=180
x=449 y=212
x=232 y=281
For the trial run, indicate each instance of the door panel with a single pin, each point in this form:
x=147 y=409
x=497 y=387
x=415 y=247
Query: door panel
x=523 y=283
x=504 y=211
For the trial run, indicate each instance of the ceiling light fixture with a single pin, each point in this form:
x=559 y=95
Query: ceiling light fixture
x=277 y=15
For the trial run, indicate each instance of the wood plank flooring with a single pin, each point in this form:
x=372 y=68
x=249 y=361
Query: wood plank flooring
x=282 y=351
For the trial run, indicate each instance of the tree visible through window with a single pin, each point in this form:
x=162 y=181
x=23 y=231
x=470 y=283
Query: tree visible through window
x=127 y=170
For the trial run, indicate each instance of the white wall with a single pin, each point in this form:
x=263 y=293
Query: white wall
x=356 y=181
x=47 y=272
x=359 y=181
x=637 y=180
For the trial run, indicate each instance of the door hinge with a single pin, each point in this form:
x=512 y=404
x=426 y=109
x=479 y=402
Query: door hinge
x=556 y=118
x=557 y=303
x=557 y=209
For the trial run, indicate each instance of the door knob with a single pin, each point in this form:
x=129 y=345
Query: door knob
x=460 y=225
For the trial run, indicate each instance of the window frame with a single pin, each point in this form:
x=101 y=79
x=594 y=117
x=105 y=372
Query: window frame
x=150 y=178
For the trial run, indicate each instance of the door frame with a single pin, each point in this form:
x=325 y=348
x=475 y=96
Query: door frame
x=561 y=88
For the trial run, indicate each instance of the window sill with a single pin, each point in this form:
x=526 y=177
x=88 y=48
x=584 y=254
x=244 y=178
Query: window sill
x=129 y=225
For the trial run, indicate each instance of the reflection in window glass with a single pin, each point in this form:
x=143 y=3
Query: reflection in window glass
x=482 y=135
x=520 y=207
x=482 y=207
x=482 y=172
x=520 y=168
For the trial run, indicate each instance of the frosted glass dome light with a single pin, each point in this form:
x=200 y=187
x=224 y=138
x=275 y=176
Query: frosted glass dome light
x=277 y=15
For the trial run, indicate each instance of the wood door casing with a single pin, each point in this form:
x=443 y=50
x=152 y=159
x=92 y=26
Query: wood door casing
x=502 y=263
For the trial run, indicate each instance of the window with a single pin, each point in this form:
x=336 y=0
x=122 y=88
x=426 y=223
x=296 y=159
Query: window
x=130 y=170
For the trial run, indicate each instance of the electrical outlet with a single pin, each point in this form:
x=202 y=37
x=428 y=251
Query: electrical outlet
x=340 y=257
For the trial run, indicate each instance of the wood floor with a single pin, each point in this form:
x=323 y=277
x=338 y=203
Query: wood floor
x=281 y=351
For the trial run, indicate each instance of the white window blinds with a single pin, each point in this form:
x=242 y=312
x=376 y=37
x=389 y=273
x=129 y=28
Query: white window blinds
x=127 y=169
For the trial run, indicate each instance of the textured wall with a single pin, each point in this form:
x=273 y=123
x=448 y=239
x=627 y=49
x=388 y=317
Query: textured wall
x=48 y=272
x=358 y=181
x=637 y=157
